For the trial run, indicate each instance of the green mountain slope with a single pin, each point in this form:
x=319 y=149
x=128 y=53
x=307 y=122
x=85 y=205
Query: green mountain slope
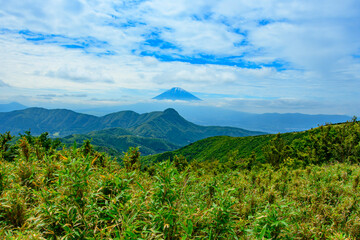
x=118 y=140
x=171 y=126
x=167 y=125
x=123 y=119
x=325 y=142
x=220 y=147
x=58 y=122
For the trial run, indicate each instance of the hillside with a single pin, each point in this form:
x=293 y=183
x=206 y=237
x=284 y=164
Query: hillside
x=220 y=147
x=345 y=137
x=170 y=126
x=167 y=125
x=57 y=122
x=118 y=140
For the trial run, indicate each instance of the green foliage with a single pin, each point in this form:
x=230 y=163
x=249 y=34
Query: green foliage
x=272 y=222
x=222 y=213
x=277 y=151
x=24 y=147
x=29 y=138
x=131 y=159
x=218 y=148
x=29 y=144
x=116 y=140
x=13 y=210
x=79 y=193
x=87 y=148
x=47 y=142
x=7 y=151
x=164 y=217
x=330 y=143
x=180 y=163
x=2 y=182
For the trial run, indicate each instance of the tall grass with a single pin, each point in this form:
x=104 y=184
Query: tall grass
x=81 y=194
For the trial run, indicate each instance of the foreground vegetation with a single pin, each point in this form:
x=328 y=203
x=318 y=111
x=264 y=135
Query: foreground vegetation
x=308 y=188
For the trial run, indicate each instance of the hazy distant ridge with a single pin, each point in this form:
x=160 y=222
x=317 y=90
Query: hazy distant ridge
x=7 y=107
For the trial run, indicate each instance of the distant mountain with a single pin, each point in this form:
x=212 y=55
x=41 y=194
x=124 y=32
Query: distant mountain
x=167 y=125
x=289 y=122
x=58 y=122
x=8 y=107
x=118 y=140
x=170 y=126
x=217 y=116
x=266 y=122
x=177 y=94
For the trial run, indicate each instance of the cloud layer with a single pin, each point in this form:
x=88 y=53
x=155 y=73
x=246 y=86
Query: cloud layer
x=267 y=55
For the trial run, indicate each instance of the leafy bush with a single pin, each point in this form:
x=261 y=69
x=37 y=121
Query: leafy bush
x=131 y=159
x=7 y=151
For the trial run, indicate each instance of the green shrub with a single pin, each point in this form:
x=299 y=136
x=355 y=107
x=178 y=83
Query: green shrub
x=131 y=159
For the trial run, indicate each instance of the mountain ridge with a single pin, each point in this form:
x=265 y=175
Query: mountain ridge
x=166 y=125
x=219 y=116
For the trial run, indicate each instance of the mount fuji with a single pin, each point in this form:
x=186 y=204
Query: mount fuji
x=177 y=93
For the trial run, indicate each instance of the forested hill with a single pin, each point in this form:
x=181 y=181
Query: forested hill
x=222 y=147
x=337 y=142
x=166 y=125
x=118 y=140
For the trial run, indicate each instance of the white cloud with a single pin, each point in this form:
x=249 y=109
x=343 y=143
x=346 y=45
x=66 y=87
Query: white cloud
x=86 y=75
x=315 y=39
x=3 y=84
x=288 y=105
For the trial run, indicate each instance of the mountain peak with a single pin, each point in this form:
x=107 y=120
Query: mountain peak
x=11 y=107
x=177 y=89
x=171 y=111
x=177 y=93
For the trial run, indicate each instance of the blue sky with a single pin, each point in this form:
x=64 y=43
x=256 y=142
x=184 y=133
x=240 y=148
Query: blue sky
x=254 y=56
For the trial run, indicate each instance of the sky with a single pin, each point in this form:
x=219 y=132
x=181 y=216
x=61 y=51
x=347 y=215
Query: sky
x=253 y=56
